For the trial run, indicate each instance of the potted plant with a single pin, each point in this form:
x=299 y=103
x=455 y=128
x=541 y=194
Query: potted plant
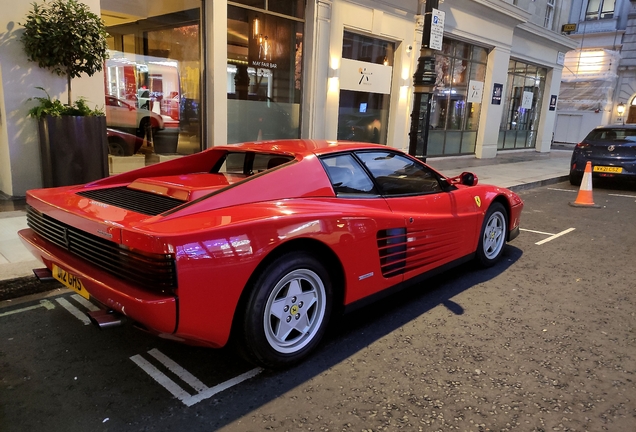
x=65 y=37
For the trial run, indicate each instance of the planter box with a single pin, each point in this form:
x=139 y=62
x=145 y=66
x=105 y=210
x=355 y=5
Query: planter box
x=121 y=164
x=74 y=150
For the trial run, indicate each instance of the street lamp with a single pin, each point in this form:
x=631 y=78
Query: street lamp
x=620 y=109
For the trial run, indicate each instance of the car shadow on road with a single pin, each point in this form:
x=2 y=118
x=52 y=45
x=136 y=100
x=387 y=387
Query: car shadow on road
x=357 y=330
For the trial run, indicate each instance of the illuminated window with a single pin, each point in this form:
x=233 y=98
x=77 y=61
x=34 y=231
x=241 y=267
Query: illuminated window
x=599 y=9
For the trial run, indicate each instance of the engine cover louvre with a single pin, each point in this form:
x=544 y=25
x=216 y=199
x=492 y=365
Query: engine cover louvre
x=135 y=200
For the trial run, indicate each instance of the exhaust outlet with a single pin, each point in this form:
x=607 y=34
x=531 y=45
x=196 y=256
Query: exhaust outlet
x=43 y=274
x=105 y=318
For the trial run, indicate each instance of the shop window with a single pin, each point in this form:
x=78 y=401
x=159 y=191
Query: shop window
x=264 y=71
x=524 y=93
x=153 y=80
x=456 y=104
x=365 y=82
x=599 y=9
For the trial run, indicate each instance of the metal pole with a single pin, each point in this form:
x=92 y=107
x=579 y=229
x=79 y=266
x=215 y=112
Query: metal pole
x=424 y=83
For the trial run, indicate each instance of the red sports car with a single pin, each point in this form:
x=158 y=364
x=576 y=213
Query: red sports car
x=263 y=241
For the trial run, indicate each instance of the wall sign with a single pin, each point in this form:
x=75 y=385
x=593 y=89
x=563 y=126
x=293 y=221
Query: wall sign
x=365 y=77
x=475 y=91
x=497 y=90
x=553 y=101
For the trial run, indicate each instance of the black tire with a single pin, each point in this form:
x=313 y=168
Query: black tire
x=493 y=235
x=280 y=295
x=575 y=178
x=116 y=147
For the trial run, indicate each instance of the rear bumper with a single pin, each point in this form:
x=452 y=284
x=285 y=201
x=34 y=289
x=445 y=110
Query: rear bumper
x=157 y=312
x=578 y=163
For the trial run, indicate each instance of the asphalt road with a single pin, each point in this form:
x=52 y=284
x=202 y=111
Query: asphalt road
x=543 y=341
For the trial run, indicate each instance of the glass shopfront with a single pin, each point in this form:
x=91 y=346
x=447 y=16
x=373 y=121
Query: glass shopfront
x=153 y=77
x=363 y=112
x=522 y=106
x=456 y=105
x=264 y=69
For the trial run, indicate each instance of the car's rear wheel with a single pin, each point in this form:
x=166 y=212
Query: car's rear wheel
x=287 y=311
x=116 y=147
x=575 y=178
x=492 y=238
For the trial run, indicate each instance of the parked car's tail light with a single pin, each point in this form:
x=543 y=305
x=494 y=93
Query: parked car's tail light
x=582 y=145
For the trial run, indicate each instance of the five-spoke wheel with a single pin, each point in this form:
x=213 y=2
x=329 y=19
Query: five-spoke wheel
x=492 y=238
x=287 y=311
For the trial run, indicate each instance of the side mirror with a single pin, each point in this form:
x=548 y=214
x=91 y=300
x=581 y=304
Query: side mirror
x=466 y=178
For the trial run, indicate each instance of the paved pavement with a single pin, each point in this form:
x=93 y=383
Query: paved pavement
x=516 y=169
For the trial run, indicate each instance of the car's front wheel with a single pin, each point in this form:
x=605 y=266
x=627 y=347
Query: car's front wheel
x=287 y=311
x=492 y=238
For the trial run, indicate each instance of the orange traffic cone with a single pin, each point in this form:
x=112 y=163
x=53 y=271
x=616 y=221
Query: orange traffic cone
x=584 y=198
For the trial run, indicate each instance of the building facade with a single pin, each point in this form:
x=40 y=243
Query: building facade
x=600 y=75
x=209 y=73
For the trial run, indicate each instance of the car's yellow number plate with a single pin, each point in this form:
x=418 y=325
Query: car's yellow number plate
x=608 y=169
x=70 y=281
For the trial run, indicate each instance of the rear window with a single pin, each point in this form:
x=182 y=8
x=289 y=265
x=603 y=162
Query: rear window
x=612 y=135
x=249 y=163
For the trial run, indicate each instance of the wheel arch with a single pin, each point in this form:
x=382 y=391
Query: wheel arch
x=501 y=199
x=317 y=249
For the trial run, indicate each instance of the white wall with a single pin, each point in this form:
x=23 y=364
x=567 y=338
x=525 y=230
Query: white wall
x=19 y=148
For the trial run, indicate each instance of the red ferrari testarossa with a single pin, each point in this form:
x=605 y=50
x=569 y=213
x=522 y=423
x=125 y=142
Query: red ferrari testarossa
x=264 y=241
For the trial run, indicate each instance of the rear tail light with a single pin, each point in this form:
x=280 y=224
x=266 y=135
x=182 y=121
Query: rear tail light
x=582 y=145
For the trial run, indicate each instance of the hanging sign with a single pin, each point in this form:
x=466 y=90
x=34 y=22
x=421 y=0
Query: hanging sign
x=437 y=29
x=475 y=91
x=526 y=102
x=365 y=77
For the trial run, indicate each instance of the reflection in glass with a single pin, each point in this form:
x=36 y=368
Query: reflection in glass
x=364 y=116
x=152 y=80
x=522 y=103
x=264 y=73
x=456 y=66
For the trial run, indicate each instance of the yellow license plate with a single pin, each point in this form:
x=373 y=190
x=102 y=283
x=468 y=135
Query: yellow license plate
x=608 y=169
x=70 y=281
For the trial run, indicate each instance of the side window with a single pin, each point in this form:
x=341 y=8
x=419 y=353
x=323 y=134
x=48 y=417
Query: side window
x=347 y=176
x=399 y=175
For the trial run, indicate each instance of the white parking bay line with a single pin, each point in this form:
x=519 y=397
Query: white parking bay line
x=43 y=303
x=73 y=310
x=555 y=236
x=563 y=190
x=161 y=378
x=173 y=367
x=81 y=300
x=204 y=392
x=536 y=232
x=623 y=196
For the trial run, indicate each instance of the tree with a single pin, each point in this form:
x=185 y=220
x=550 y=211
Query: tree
x=65 y=37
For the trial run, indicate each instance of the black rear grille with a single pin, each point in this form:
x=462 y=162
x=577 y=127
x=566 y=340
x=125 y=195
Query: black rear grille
x=155 y=272
x=130 y=199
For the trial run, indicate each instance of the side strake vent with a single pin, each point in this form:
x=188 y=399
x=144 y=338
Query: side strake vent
x=392 y=248
x=155 y=272
x=138 y=201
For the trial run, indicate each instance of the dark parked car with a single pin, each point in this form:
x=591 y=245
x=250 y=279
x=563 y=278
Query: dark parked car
x=122 y=143
x=612 y=151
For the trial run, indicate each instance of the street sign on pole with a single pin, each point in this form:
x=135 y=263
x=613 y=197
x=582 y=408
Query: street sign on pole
x=437 y=29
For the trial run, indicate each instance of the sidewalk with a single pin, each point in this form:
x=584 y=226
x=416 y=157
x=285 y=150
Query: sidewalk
x=515 y=170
